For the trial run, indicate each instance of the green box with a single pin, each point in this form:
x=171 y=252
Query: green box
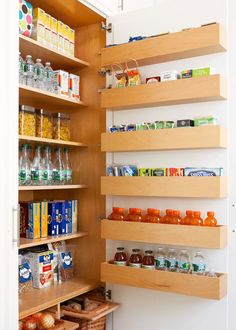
x=203 y=72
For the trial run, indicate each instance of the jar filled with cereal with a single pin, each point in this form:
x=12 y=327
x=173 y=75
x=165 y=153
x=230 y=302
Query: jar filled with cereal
x=27 y=121
x=44 y=122
x=61 y=127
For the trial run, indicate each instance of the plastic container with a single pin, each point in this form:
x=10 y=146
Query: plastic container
x=120 y=258
x=210 y=221
x=167 y=217
x=117 y=214
x=135 y=215
x=196 y=220
x=152 y=216
x=27 y=121
x=176 y=218
x=61 y=126
x=188 y=218
x=44 y=124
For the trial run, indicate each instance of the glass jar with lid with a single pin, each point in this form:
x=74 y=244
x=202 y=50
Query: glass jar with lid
x=44 y=124
x=117 y=214
x=61 y=126
x=135 y=259
x=135 y=215
x=27 y=121
x=120 y=258
x=148 y=260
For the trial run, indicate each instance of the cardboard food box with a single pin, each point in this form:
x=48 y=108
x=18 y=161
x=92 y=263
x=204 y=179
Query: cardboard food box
x=72 y=42
x=54 y=33
x=33 y=230
x=48 y=32
x=60 y=31
x=25 y=18
x=53 y=218
x=24 y=218
x=44 y=219
x=62 y=78
x=74 y=90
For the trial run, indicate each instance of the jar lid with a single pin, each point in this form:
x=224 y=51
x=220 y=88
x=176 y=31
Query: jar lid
x=135 y=250
x=120 y=249
x=148 y=251
x=26 y=108
x=43 y=112
x=61 y=115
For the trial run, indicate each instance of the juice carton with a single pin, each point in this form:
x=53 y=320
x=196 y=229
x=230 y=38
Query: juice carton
x=60 y=31
x=72 y=42
x=74 y=81
x=43 y=219
x=53 y=218
x=62 y=217
x=24 y=218
x=48 y=32
x=63 y=82
x=66 y=31
x=25 y=18
x=54 y=32
x=33 y=230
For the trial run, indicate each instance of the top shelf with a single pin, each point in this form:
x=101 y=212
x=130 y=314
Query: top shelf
x=204 y=40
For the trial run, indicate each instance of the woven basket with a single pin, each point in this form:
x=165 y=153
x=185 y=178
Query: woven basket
x=88 y=325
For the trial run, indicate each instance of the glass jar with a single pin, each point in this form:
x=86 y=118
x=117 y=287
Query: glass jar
x=134 y=215
x=167 y=217
x=135 y=259
x=61 y=126
x=44 y=124
x=117 y=214
x=27 y=121
x=120 y=258
x=148 y=260
x=176 y=218
x=152 y=216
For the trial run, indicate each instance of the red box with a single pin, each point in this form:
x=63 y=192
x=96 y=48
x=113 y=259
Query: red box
x=173 y=171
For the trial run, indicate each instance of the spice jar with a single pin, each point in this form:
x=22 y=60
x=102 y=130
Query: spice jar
x=27 y=122
x=120 y=258
x=117 y=214
x=135 y=259
x=44 y=124
x=148 y=260
x=152 y=216
x=134 y=215
x=61 y=126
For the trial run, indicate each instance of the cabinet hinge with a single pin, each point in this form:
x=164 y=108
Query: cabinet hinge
x=106 y=293
x=107 y=27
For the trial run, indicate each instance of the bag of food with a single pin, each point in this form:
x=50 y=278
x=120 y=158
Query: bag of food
x=25 y=275
x=66 y=266
x=134 y=77
x=120 y=75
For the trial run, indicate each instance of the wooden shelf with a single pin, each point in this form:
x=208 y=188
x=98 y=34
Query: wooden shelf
x=26 y=243
x=34 y=139
x=191 y=236
x=70 y=325
x=175 y=186
x=41 y=99
x=62 y=187
x=181 y=91
x=166 y=139
x=57 y=59
x=186 y=284
x=38 y=300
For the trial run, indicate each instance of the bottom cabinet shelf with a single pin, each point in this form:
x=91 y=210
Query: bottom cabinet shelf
x=186 y=284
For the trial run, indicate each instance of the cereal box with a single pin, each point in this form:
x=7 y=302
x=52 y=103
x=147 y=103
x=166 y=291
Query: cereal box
x=60 y=31
x=175 y=171
x=33 y=230
x=62 y=79
x=39 y=16
x=158 y=171
x=53 y=218
x=72 y=42
x=54 y=33
x=24 y=218
x=43 y=219
x=74 y=81
x=38 y=33
x=66 y=39
x=62 y=217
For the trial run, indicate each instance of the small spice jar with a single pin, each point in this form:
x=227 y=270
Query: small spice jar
x=152 y=216
x=27 y=121
x=135 y=215
x=44 y=124
x=120 y=258
x=61 y=126
x=135 y=259
x=117 y=214
x=148 y=260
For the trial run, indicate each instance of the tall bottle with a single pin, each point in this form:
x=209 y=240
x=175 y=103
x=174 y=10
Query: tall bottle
x=58 y=168
x=184 y=262
x=47 y=167
x=37 y=168
x=171 y=261
x=29 y=71
x=19 y=165
x=25 y=167
x=49 y=77
x=67 y=167
x=160 y=259
x=198 y=264
x=21 y=69
x=39 y=74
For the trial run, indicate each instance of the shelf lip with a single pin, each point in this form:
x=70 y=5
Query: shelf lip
x=51 y=141
x=182 y=235
x=198 y=41
x=41 y=299
x=26 y=242
x=62 y=187
x=58 y=59
x=172 y=282
x=202 y=137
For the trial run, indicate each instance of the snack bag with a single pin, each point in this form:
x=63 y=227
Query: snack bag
x=134 y=77
x=66 y=267
x=120 y=75
x=25 y=275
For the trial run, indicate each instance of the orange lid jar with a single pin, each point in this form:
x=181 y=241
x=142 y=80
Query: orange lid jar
x=117 y=214
x=135 y=215
x=152 y=216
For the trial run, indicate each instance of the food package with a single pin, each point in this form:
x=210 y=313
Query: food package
x=53 y=218
x=48 y=32
x=73 y=208
x=185 y=123
x=201 y=72
x=56 y=247
x=62 y=78
x=24 y=218
x=38 y=32
x=44 y=124
x=158 y=171
x=173 y=171
x=134 y=76
x=66 y=39
x=72 y=42
x=63 y=214
x=41 y=264
x=25 y=18
x=27 y=121
x=60 y=31
x=74 y=90
x=25 y=275
x=120 y=75
x=144 y=172
x=169 y=75
x=203 y=171
x=204 y=121
x=153 y=80
x=33 y=230
x=66 y=266
x=39 y=16
x=54 y=33
x=43 y=219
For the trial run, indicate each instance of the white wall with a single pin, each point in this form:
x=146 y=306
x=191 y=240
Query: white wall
x=146 y=309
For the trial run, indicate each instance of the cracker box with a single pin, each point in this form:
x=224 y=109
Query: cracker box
x=62 y=217
x=173 y=171
x=66 y=35
x=41 y=264
x=48 y=32
x=60 y=31
x=74 y=81
x=54 y=33
x=33 y=230
x=53 y=218
x=158 y=171
x=69 y=218
x=72 y=42
x=44 y=219
x=24 y=218
x=202 y=72
x=38 y=33
x=169 y=75
x=63 y=82
x=39 y=16
x=25 y=18
x=203 y=171
x=144 y=172
x=25 y=277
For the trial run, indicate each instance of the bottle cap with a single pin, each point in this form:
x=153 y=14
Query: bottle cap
x=120 y=249
x=197 y=213
x=210 y=213
x=176 y=212
x=153 y=211
x=136 y=250
x=189 y=212
x=148 y=251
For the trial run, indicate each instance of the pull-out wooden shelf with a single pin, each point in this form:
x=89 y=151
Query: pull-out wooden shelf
x=175 y=186
x=174 y=46
x=165 y=139
x=34 y=139
x=62 y=187
x=191 y=236
x=42 y=99
x=70 y=325
x=58 y=60
x=186 y=284
x=181 y=91
x=40 y=299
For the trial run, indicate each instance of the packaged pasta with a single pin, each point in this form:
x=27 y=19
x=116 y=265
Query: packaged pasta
x=61 y=127
x=27 y=122
x=44 y=123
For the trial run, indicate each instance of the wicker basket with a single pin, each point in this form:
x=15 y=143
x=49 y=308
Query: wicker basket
x=88 y=325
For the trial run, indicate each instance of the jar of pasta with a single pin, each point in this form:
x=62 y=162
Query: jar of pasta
x=44 y=123
x=61 y=127
x=27 y=121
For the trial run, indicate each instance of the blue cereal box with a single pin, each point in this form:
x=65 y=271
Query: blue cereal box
x=53 y=218
x=62 y=217
x=33 y=230
x=203 y=171
x=69 y=217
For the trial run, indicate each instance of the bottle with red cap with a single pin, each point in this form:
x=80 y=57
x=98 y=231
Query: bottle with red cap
x=176 y=218
x=135 y=215
x=196 y=220
x=152 y=216
x=210 y=219
x=167 y=217
x=187 y=219
x=117 y=214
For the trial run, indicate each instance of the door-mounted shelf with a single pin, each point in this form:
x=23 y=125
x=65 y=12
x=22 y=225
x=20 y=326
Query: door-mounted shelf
x=190 y=236
x=165 y=139
x=175 y=186
x=173 y=282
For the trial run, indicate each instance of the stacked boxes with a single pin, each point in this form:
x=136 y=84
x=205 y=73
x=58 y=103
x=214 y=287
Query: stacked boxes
x=25 y=18
x=39 y=25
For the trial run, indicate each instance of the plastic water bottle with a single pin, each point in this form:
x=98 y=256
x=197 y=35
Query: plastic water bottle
x=160 y=259
x=25 y=167
x=21 y=69
x=67 y=167
x=29 y=71
x=37 y=168
x=184 y=262
x=198 y=264
x=58 y=169
x=47 y=166
x=171 y=261
x=39 y=74
x=49 y=77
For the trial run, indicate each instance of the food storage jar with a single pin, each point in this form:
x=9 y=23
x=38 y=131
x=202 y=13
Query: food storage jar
x=27 y=122
x=44 y=122
x=61 y=126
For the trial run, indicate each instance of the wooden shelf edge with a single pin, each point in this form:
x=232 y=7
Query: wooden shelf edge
x=73 y=186
x=51 y=141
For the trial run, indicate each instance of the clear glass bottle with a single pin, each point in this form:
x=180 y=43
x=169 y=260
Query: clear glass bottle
x=160 y=259
x=184 y=262
x=58 y=168
x=198 y=264
x=37 y=168
x=29 y=71
x=47 y=167
x=25 y=167
x=171 y=261
x=20 y=164
x=67 y=167
x=39 y=74
x=49 y=77
x=21 y=69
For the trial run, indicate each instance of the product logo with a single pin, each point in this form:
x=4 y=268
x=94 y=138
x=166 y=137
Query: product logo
x=66 y=259
x=201 y=173
x=25 y=272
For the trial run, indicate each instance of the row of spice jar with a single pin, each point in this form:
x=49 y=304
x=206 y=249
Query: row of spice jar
x=44 y=124
x=171 y=217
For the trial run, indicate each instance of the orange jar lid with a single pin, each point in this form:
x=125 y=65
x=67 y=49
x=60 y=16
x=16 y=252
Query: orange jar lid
x=210 y=213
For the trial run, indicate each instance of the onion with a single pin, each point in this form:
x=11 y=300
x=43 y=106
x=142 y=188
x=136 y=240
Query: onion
x=37 y=316
x=30 y=324
x=20 y=326
x=46 y=321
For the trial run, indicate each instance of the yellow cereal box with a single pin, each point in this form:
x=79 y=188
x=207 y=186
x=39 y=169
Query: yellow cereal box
x=47 y=21
x=71 y=42
x=66 y=39
x=53 y=24
x=43 y=219
x=39 y=16
x=34 y=221
x=38 y=33
x=61 y=39
x=60 y=28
